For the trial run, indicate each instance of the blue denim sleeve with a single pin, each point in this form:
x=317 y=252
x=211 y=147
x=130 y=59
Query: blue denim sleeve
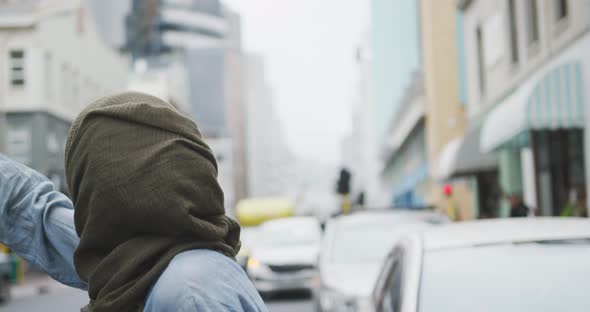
x=37 y=222
x=203 y=280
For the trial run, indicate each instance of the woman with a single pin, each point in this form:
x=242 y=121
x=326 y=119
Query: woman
x=148 y=232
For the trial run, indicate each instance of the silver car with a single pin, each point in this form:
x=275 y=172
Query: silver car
x=509 y=265
x=284 y=257
x=353 y=251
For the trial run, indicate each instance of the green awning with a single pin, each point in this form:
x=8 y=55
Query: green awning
x=554 y=100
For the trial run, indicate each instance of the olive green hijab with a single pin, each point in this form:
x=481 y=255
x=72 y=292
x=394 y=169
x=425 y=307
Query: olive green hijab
x=144 y=187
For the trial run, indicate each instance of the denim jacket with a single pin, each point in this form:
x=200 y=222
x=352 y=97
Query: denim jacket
x=37 y=223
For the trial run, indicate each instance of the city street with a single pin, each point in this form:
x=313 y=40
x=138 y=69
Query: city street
x=70 y=300
x=64 y=299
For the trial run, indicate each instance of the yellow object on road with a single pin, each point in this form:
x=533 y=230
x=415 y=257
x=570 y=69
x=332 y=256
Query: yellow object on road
x=254 y=211
x=346 y=205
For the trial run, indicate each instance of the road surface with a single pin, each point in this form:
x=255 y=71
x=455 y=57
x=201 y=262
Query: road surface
x=70 y=300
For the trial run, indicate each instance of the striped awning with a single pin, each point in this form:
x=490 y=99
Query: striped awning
x=557 y=101
x=552 y=100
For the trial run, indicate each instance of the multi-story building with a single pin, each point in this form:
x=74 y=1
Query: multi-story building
x=359 y=148
x=110 y=19
x=406 y=170
x=205 y=37
x=47 y=78
x=395 y=58
x=196 y=32
x=526 y=74
x=269 y=161
x=427 y=129
x=234 y=99
x=457 y=166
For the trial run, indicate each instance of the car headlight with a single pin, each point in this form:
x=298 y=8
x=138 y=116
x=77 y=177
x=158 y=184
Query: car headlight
x=253 y=264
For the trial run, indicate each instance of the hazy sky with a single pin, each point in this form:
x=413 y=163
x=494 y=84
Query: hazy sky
x=309 y=47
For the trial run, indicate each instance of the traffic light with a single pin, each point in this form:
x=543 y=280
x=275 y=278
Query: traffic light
x=343 y=186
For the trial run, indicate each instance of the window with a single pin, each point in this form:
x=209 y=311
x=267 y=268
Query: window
x=17 y=68
x=561 y=9
x=532 y=21
x=513 y=31
x=392 y=300
x=481 y=61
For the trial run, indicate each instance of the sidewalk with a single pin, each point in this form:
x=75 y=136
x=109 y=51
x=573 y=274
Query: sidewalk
x=34 y=286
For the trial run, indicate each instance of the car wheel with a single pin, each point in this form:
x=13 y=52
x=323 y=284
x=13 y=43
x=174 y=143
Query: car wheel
x=266 y=295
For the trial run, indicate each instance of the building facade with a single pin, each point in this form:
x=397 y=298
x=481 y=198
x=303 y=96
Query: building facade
x=45 y=82
x=526 y=63
x=359 y=148
x=406 y=170
x=394 y=24
x=205 y=37
x=450 y=143
x=270 y=164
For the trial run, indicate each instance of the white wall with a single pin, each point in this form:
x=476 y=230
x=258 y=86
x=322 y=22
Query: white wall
x=66 y=32
x=502 y=76
x=269 y=167
x=222 y=150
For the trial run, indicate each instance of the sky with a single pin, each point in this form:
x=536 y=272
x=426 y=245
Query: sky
x=309 y=47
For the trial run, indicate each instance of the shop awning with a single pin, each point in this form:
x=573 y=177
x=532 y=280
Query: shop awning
x=462 y=157
x=553 y=101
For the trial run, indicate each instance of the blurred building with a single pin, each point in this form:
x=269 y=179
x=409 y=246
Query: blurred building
x=526 y=82
x=359 y=148
x=396 y=90
x=195 y=32
x=223 y=152
x=270 y=164
x=456 y=164
x=164 y=77
x=205 y=37
x=110 y=19
x=404 y=150
x=48 y=78
x=234 y=99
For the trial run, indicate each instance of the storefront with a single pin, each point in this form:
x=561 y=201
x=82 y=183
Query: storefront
x=538 y=131
x=559 y=167
x=461 y=159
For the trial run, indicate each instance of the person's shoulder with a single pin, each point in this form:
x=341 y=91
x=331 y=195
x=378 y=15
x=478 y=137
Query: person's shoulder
x=205 y=278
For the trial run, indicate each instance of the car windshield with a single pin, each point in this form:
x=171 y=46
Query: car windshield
x=542 y=276
x=248 y=236
x=367 y=242
x=289 y=232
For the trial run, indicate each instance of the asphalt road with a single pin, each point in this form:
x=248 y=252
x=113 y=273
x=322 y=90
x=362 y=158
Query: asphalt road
x=70 y=300
x=63 y=300
x=290 y=303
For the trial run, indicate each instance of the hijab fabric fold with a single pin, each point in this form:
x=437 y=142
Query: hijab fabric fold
x=144 y=186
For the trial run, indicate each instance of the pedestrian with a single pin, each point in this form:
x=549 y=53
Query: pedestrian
x=517 y=206
x=149 y=230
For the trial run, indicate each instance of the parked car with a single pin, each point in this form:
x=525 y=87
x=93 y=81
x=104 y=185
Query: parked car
x=284 y=258
x=509 y=265
x=353 y=250
x=248 y=238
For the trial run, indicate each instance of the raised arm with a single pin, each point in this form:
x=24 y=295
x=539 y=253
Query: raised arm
x=37 y=222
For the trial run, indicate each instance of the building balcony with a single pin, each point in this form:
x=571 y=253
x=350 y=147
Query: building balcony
x=411 y=110
x=194 y=21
